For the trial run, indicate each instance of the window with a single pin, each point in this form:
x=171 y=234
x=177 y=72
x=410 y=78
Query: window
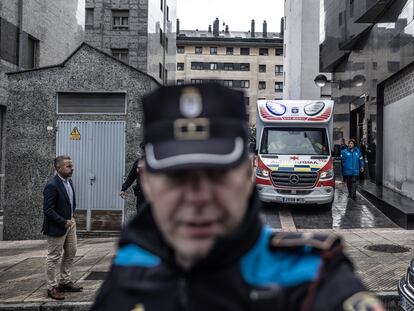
x=228 y=66
x=264 y=51
x=228 y=83
x=213 y=66
x=294 y=141
x=160 y=71
x=120 y=19
x=91 y=103
x=199 y=50
x=89 y=17
x=278 y=52
x=30 y=56
x=245 y=67
x=351 y=8
x=165 y=75
x=213 y=50
x=196 y=81
x=279 y=70
x=262 y=68
x=247 y=101
x=229 y=51
x=196 y=66
x=180 y=66
x=262 y=85
x=284 y=50
x=162 y=4
x=121 y=54
x=244 y=51
x=180 y=82
x=244 y=84
x=180 y=49
x=168 y=13
x=161 y=41
x=278 y=87
x=374 y=66
x=340 y=19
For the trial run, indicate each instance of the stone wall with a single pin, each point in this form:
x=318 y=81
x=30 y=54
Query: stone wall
x=31 y=148
x=134 y=38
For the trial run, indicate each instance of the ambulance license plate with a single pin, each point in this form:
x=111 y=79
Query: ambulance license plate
x=293 y=200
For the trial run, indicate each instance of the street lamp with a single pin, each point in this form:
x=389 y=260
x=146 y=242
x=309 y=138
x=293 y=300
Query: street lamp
x=356 y=81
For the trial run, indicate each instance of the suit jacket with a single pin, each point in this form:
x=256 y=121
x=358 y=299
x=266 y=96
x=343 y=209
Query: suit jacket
x=56 y=207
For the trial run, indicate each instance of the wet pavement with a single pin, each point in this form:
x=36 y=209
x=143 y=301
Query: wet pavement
x=345 y=214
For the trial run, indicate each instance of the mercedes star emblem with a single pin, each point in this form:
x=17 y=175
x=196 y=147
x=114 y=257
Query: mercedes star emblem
x=294 y=179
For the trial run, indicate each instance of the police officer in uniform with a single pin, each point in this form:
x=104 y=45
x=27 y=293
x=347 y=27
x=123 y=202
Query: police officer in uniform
x=200 y=245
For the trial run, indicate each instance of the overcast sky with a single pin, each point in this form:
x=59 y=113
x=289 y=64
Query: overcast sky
x=198 y=14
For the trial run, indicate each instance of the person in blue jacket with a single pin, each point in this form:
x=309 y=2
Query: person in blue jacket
x=352 y=164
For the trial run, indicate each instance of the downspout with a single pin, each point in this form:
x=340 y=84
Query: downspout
x=20 y=34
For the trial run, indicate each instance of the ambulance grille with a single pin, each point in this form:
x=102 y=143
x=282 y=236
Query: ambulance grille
x=304 y=179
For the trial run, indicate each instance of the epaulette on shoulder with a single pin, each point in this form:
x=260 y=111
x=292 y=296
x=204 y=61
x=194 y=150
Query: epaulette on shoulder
x=319 y=241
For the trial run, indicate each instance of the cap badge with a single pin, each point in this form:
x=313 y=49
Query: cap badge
x=190 y=102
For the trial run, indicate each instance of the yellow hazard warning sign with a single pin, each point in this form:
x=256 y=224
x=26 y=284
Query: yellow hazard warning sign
x=75 y=134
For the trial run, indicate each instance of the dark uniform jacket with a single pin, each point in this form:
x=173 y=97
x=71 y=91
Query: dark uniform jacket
x=132 y=177
x=253 y=269
x=56 y=207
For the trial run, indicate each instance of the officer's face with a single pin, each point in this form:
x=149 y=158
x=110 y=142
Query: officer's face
x=193 y=207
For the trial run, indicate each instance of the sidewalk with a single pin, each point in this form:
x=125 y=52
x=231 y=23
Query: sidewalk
x=22 y=285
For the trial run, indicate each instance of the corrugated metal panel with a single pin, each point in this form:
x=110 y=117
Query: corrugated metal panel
x=108 y=158
x=98 y=159
x=78 y=150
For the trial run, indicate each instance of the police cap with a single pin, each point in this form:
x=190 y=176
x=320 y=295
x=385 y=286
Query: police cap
x=192 y=126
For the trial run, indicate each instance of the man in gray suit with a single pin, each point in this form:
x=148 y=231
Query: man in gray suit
x=59 y=226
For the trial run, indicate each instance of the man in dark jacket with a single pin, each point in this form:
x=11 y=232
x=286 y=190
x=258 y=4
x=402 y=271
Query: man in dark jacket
x=352 y=165
x=132 y=177
x=59 y=225
x=200 y=244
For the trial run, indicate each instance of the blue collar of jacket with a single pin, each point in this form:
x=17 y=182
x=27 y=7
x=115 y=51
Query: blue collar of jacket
x=143 y=232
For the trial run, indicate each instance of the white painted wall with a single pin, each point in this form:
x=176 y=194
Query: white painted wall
x=301 y=63
x=398 y=164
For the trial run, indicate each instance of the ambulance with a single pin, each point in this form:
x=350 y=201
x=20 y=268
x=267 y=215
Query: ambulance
x=294 y=164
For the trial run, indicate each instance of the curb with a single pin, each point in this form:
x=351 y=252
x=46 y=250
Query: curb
x=47 y=306
x=389 y=299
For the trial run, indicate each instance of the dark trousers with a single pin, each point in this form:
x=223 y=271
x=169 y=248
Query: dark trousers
x=140 y=201
x=351 y=183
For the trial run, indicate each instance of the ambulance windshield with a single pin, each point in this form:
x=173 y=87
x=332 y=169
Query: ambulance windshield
x=296 y=141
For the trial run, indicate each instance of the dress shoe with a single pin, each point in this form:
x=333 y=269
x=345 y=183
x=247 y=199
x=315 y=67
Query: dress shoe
x=70 y=287
x=55 y=294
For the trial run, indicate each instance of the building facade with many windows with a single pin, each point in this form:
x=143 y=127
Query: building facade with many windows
x=140 y=33
x=249 y=61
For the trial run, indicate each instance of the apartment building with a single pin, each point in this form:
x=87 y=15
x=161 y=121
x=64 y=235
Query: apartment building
x=249 y=61
x=139 y=33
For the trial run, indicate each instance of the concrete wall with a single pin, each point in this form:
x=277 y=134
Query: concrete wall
x=398 y=165
x=134 y=38
x=301 y=39
x=31 y=148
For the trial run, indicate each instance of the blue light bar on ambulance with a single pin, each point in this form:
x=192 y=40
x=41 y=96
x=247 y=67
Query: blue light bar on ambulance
x=276 y=108
x=314 y=108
